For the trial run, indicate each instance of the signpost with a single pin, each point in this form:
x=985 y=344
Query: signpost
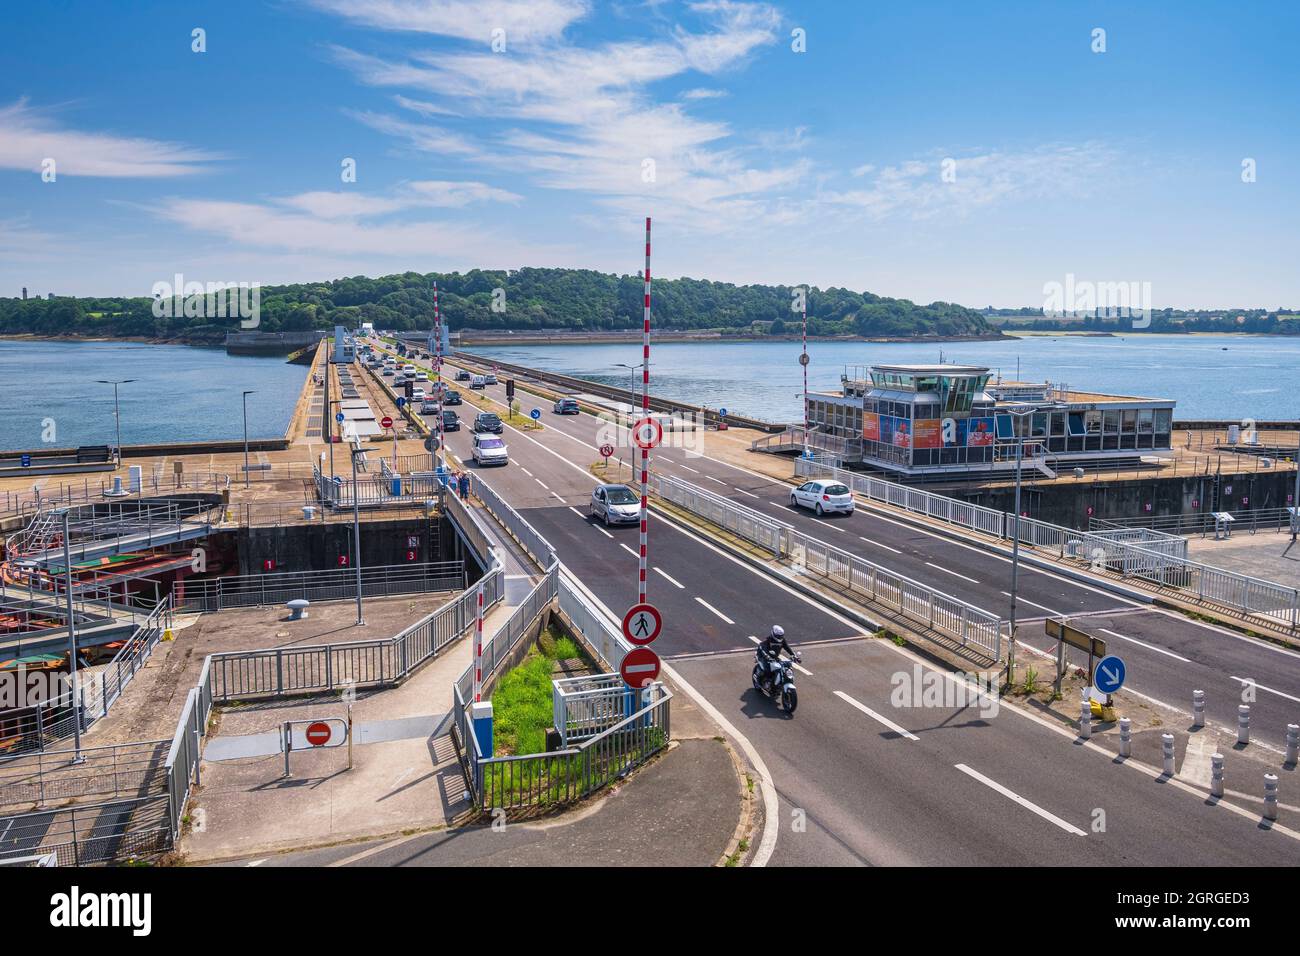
x=316 y=735
x=1110 y=674
x=642 y=623
x=640 y=667
x=535 y=414
x=1064 y=634
x=606 y=450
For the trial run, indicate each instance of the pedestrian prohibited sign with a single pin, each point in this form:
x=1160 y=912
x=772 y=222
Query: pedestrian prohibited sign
x=640 y=667
x=642 y=623
x=647 y=433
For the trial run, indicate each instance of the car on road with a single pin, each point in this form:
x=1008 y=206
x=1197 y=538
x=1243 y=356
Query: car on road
x=421 y=375
x=462 y=375
x=418 y=395
x=488 y=422
x=566 y=406
x=452 y=397
x=450 y=421
x=490 y=450
x=430 y=407
x=490 y=378
x=388 y=370
x=824 y=496
x=615 y=504
x=478 y=381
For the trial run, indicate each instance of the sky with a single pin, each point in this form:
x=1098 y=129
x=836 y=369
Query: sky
x=971 y=152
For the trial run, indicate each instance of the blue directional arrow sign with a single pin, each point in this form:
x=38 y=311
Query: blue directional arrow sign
x=536 y=413
x=338 y=417
x=722 y=413
x=1109 y=674
x=401 y=401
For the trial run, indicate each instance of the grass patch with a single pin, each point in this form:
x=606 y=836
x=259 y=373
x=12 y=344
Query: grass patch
x=522 y=700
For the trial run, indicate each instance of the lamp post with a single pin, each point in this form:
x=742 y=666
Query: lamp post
x=117 y=414
x=633 y=369
x=246 y=394
x=356 y=530
x=72 y=640
x=1015 y=539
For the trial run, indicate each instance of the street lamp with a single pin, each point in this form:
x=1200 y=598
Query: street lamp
x=117 y=414
x=1015 y=537
x=633 y=369
x=72 y=640
x=246 y=394
x=356 y=528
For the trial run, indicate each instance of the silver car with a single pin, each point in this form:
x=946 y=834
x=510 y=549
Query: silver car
x=615 y=504
x=824 y=496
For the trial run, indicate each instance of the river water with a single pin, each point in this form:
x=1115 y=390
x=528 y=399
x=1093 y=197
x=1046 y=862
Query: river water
x=1211 y=376
x=180 y=393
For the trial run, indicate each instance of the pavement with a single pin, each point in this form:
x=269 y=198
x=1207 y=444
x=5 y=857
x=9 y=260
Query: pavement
x=1267 y=554
x=869 y=778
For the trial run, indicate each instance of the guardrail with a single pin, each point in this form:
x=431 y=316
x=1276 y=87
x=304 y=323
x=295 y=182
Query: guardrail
x=1159 y=558
x=533 y=542
x=378 y=492
x=606 y=640
x=331 y=584
x=89 y=833
x=1203 y=523
x=920 y=603
x=114 y=770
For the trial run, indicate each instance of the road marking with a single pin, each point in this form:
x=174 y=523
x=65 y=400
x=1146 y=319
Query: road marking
x=542 y=483
x=526 y=471
x=256 y=862
x=634 y=554
x=879 y=545
x=718 y=480
x=1246 y=680
x=556 y=497
x=901 y=731
x=937 y=567
x=372 y=851
x=671 y=579
x=1035 y=604
x=1017 y=798
x=1150 y=647
x=744 y=492
x=687 y=467
x=578 y=513
x=714 y=610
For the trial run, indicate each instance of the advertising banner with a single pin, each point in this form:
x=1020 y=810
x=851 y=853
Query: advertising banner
x=926 y=433
x=979 y=432
x=871 y=426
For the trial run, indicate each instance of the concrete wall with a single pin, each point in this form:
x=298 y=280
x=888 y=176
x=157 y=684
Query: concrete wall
x=313 y=546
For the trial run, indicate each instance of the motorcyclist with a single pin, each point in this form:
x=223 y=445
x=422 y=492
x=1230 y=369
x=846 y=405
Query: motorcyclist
x=769 y=651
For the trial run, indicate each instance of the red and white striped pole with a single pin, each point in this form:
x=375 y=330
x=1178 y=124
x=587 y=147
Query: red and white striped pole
x=645 y=414
x=437 y=374
x=478 y=646
x=803 y=360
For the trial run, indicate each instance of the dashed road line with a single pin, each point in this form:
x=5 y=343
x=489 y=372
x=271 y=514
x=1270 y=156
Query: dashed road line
x=1017 y=798
x=714 y=610
x=901 y=731
x=939 y=567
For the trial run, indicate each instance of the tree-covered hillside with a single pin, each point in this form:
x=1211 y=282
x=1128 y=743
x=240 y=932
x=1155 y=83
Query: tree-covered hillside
x=575 y=299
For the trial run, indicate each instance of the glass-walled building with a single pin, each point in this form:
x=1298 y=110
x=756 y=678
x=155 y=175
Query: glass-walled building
x=920 y=419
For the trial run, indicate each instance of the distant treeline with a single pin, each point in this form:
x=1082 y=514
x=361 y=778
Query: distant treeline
x=573 y=299
x=1260 y=321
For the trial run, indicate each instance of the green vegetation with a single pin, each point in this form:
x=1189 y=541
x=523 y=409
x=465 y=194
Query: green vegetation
x=572 y=299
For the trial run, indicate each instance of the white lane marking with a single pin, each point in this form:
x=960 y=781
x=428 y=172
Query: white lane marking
x=635 y=554
x=542 y=483
x=1017 y=798
x=901 y=731
x=688 y=467
x=879 y=545
x=256 y=862
x=715 y=610
x=660 y=571
x=1150 y=647
x=604 y=532
x=578 y=513
x=801 y=669
x=744 y=492
x=1022 y=600
x=718 y=480
x=1246 y=680
x=556 y=497
x=526 y=471
x=938 y=567
x=771 y=806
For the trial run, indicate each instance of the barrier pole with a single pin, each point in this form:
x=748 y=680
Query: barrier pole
x=645 y=414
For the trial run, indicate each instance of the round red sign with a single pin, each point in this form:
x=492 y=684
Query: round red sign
x=647 y=433
x=318 y=734
x=386 y=422
x=606 y=450
x=640 y=667
x=642 y=623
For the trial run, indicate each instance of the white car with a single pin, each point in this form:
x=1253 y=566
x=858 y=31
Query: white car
x=421 y=376
x=489 y=449
x=417 y=395
x=824 y=496
x=490 y=378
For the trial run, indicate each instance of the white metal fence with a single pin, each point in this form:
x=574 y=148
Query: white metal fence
x=331 y=584
x=533 y=542
x=970 y=626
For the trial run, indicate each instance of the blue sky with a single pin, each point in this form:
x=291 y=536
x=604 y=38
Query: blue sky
x=769 y=165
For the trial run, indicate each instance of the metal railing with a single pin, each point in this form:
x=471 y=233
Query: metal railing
x=604 y=638
x=585 y=706
x=1146 y=554
x=330 y=584
x=116 y=770
x=920 y=603
x=533 y=542
x=89 y=833
x=1203 y=523
x=378 y=492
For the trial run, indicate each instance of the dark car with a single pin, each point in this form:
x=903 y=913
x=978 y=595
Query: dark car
x=450 y=421
x=488 y=422
x=462 y=375
x=567 y=406
x=452 y=397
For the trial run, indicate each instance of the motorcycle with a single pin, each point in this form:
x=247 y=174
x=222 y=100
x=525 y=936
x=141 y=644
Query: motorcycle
x=783 y=685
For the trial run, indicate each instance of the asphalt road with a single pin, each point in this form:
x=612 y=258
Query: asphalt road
x=861 y=780
x=1167 y=655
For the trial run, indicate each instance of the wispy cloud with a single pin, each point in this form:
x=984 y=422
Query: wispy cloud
x=29 y=137
x=523 y=20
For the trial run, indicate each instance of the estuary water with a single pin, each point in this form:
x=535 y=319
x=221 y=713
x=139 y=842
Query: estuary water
x=180 y=393
x=1210 y=376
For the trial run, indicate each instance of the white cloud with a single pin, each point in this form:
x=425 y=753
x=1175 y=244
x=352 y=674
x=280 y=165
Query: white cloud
x=423 y=108
x=701 y=93
x=27 y=138
x=524 y=21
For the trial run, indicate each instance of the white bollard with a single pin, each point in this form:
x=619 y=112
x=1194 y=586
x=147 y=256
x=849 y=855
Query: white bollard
x=1270 y=796
x=1085 y=718
x=1198 y=709
x=1292 y=745
x=1167 y=746
x=1125 y=737
x=1243 y=724
x=1216 y=774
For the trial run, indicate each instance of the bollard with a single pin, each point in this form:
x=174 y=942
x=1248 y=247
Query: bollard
x=1198 y=709
x=1292 y=744
x=1270 y=796
x=1243 y=724
x=1167 y=746
x=1085 y=718
x=1216 y=775
x=1125 y=737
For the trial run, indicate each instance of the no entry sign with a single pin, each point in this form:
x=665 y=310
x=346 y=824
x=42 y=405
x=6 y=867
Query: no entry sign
x=318 y=734
x=642 y=623
x=640 y=667
x=386 y=422
x=309 y=734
